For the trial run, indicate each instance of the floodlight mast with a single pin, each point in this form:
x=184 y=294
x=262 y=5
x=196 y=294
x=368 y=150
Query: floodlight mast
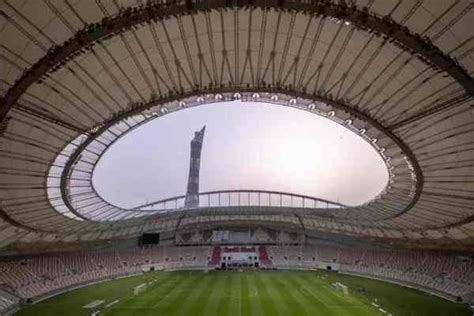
x=192 y=193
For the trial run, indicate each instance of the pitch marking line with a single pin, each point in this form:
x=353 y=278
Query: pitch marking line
x=93 y=304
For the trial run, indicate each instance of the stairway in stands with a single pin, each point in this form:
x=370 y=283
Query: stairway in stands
x=265 y=261
x=216 y=257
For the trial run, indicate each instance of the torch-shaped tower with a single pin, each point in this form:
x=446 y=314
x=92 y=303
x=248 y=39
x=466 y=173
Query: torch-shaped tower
x=192 y=193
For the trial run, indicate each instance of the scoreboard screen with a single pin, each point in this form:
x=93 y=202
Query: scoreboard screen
x=149 y=239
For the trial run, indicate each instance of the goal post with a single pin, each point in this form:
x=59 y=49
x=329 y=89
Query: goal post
x=341 y=287
x=139 y=288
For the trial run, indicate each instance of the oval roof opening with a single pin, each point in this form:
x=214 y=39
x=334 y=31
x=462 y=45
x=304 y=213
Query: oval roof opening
x=247 y=145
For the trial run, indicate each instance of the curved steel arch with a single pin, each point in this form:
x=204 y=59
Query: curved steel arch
x=243 y=191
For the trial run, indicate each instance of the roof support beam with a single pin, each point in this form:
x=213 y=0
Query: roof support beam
x=48 y=117
x=431 y=111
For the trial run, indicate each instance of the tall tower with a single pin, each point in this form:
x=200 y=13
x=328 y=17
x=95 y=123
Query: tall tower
x=192 y=193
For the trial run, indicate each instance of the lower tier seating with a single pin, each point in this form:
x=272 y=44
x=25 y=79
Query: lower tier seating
x=34 y=276
x=446 y=273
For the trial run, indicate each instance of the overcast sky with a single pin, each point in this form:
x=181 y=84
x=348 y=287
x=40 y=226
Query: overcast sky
x=246 y=146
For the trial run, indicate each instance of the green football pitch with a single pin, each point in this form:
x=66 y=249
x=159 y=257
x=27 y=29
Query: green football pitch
x=245 y=293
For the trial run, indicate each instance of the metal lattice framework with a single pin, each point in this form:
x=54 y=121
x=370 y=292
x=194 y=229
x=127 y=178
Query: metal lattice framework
x=77 y=76
x=243 y=198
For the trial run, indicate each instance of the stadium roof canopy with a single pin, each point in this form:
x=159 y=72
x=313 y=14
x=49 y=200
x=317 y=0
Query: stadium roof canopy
x=76 y=75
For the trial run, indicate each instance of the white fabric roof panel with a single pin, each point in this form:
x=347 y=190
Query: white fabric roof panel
x=429 y=110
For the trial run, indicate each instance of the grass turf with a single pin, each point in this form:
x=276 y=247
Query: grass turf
x=246 y=293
